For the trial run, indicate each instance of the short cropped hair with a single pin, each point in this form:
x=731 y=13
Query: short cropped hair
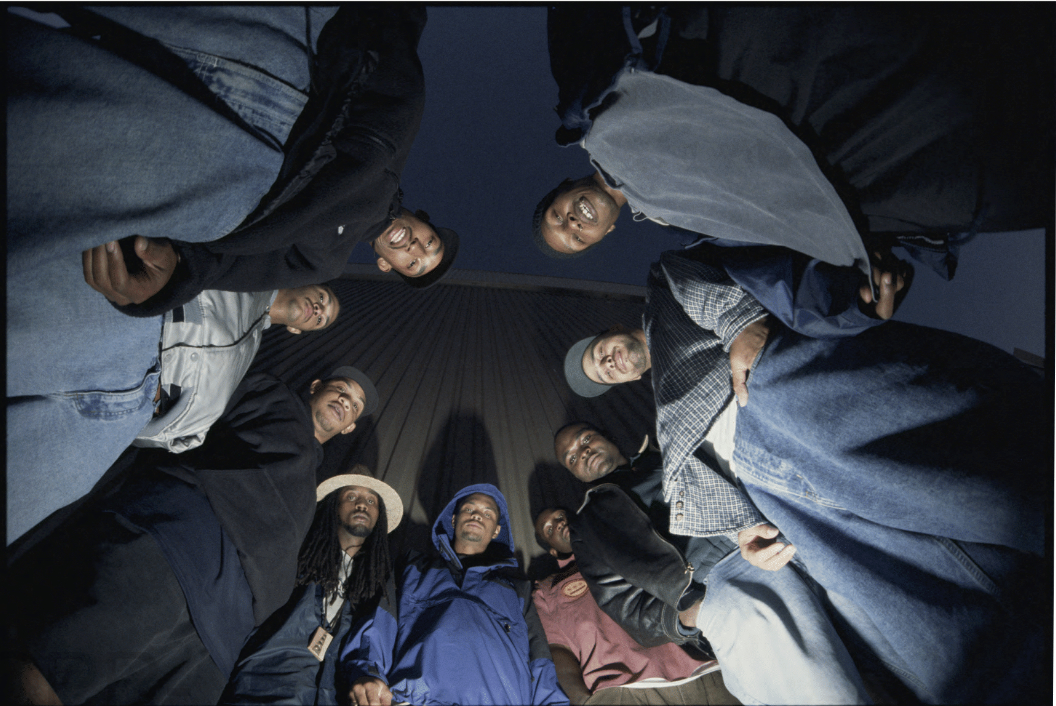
x=596 y=428
x=539 y=540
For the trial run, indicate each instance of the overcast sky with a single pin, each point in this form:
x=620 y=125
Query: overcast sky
x=486 y=154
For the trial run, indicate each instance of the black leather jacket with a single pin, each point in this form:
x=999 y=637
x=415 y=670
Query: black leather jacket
x=636 y=576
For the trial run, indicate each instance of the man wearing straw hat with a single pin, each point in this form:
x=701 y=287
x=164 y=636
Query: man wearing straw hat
x=343 y=570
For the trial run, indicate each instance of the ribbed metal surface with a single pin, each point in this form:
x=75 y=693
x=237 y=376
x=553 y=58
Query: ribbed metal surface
x=472 y=389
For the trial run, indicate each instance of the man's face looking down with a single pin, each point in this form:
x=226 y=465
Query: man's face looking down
x=476 y=523
x=579 y=217
x=357 y=511
x=552 y=528
x=310 y=308
x=617 y=356
x=336 y=405
x=587 y=454
x=409 y=245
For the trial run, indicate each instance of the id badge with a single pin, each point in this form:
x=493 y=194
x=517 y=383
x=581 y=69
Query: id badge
x=321 y=640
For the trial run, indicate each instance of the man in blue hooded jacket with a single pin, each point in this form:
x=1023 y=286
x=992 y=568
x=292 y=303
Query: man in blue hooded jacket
x=465 y=629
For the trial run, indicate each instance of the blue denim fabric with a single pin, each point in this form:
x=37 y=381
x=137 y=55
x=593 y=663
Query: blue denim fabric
x=59 y=445
x=271 y=38
x=100 y=149
x=900 y=463
x=773 y=639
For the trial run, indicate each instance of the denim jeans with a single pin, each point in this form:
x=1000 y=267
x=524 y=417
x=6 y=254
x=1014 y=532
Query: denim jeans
x=903 y=464
x=100 y=149
x=773 y=639
x=81 y=380
x=59 y=445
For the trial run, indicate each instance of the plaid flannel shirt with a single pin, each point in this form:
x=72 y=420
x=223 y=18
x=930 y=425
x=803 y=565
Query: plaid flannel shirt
x=693 y=313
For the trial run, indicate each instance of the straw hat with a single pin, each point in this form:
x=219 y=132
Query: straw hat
x=393 y=504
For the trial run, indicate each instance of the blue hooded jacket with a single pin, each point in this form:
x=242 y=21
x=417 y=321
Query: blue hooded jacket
x=460 y=635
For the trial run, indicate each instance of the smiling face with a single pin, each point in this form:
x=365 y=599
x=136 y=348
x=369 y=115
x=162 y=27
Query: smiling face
x=409 y=245
x=617 y=356
x=586 y=453
x=552 y=528
x=310 y=308
x=476 y=523
x=336 y=405
x=580 y=216
x=357 y=513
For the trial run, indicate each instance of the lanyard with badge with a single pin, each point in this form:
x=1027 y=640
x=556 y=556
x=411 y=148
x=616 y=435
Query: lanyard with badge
x=323 y=635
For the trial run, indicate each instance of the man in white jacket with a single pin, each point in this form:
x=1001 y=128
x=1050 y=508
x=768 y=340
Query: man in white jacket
x=206 y=347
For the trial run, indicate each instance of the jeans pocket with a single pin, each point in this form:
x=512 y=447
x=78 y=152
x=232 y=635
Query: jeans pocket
x=114 y=405
x=757 y=467
x=972 y=569
x=261 y=100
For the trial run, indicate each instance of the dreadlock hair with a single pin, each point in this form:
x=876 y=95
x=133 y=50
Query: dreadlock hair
x=537 y=223
x=320 y=558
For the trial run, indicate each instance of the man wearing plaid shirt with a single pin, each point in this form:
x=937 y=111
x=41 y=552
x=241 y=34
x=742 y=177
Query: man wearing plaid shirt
x=902 y=463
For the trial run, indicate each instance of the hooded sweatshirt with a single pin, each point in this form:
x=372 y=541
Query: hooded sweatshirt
x=459 y=634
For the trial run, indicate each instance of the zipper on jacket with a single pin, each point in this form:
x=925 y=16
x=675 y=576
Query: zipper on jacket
x=687 y=567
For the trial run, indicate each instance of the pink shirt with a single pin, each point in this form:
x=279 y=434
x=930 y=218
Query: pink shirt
x=608 y=655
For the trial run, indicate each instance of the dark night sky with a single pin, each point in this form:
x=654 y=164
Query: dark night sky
x=486 y=154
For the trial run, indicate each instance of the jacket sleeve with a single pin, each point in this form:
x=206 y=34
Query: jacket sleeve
x=636 y=577
x=807 y=295
x=172 y=444
x=708 y=296
x=545 y=688
x=275 y=666
x=260 y=454
x=369 y=649
x=339 y=183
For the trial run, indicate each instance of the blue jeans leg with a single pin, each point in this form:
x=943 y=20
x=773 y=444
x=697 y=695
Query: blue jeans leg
x=773 y=639
x=928 y=611
x=891 y=461
x=59 y=445
x=100 y=149
x=81 y=379
x=913 y=428
x=62 y=336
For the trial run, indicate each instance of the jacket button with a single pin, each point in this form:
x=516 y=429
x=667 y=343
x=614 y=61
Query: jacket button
x=678 y=517
x=194 y=356
x=679 y=505
x=681 y=493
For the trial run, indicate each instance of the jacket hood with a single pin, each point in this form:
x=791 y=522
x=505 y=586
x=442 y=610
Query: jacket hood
x=443 y=527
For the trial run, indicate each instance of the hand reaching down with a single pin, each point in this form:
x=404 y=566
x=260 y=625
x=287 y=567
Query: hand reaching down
x=892 y=277
x=743 y=352
x=370 y=691
x=759 y=547
x=106 y=271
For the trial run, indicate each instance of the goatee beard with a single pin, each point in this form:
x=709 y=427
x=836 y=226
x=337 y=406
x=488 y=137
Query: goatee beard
x=357 y=530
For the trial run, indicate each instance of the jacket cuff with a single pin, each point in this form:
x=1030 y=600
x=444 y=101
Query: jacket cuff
x=673 y=627
x=184 y=285
x=355 y=671
x=737 y=318
x=691 y=596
